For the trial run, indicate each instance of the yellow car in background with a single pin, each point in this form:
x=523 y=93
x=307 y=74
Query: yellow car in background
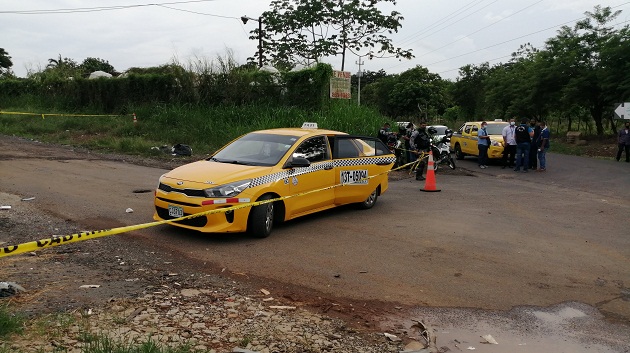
x=464 y=141
x=319 y=169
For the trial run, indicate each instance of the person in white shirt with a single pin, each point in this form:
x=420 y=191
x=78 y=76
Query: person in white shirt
x=509 y=144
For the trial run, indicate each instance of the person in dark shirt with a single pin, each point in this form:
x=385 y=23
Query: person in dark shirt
x=624 y=142
x=533 y=165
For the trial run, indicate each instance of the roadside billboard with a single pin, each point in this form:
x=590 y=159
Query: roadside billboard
x=340 y=85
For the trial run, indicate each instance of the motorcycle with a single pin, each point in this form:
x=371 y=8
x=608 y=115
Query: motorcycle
x=440 y=148
x=395 y=146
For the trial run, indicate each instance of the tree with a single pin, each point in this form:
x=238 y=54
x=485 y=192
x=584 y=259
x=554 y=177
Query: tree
x=576 y=57
x=419 y=91
x=90 y=65
x=61 y=68
x=304 y=31
x=469 y=90
x=5 y=62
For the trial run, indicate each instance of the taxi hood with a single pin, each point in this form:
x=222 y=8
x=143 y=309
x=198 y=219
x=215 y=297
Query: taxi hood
x=215 y=173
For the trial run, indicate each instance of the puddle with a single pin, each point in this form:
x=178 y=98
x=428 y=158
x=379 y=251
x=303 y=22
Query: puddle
x=568 y=327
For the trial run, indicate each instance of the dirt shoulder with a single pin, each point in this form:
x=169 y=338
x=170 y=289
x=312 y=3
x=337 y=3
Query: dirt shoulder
x=130 y=289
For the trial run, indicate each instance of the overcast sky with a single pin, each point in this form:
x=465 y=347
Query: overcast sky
x=443 y=34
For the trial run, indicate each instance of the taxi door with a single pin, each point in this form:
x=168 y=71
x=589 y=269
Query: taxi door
x=319 y=175
x=361 y=165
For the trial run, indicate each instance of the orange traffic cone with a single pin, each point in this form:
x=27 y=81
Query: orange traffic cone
x=429 y=184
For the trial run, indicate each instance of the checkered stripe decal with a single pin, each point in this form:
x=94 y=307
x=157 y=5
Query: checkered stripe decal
x=363 y=161
x=271 y=178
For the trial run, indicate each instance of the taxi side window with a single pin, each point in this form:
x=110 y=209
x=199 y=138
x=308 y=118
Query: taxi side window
x=467 y=129
x=346 y=149
x=475 y=128
x=314 y=149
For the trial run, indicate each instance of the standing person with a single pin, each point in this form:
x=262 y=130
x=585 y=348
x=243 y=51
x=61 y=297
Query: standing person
x=407 y=137
x=533 y=150
x=624 y=142
x=542 y=145
x=509 y=144
x=421 y=142
x=523 y=135
x=385 y=132
x=483 y=143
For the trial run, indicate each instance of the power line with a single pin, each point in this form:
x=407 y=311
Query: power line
x=100 y=8
x=481 y=29
x=507 y=41
x=451 y=24
x=197 y=13
x=438 y=22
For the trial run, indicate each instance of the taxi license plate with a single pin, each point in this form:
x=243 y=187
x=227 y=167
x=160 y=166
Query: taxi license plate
x=175 y=211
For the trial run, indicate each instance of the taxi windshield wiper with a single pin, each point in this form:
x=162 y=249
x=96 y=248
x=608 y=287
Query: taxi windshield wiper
x=223 y=160
x=231 y=161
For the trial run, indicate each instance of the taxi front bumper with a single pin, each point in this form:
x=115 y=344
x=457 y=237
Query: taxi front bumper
x=229 y=221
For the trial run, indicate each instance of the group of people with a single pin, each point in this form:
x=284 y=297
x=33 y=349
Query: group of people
x=416 y=141
x=524 y=147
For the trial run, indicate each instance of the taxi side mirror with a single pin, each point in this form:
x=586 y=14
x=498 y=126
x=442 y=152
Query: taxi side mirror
x=297 y=162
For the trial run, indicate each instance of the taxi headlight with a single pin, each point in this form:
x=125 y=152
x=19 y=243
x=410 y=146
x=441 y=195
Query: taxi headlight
x=497 y=143
x=228 y=190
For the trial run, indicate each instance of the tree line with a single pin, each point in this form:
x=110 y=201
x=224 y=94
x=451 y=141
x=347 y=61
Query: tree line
x=574 y=79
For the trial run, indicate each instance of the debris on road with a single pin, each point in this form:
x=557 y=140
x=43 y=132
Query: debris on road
x=87 y=286
x=5 y=207
x=129 y=210
x=282 y=307
x=264 y=291
x=391 y=337
x=28 y=199
x=489 y=339
x=8 y=289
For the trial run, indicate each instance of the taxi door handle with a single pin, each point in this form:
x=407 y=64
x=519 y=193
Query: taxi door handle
x=328 y=167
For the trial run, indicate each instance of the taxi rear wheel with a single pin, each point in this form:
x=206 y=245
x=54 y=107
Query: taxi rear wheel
x=261 y=217
x=370 y=201
x=458 y=152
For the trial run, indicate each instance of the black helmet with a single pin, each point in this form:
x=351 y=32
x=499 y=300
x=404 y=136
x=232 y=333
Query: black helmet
x=448 y=132
x=432 y=130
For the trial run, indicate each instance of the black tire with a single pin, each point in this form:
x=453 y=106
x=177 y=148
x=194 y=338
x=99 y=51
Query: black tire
x=260 y=222
x=370 y=201
x=458 y=152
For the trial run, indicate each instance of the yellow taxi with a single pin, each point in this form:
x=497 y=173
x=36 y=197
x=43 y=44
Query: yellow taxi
x=464 y=141
x=308 y=169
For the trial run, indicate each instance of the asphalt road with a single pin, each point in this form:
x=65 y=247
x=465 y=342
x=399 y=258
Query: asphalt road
x=494 y=239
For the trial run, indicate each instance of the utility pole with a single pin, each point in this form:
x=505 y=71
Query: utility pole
x=260 y=36
x=359 y=74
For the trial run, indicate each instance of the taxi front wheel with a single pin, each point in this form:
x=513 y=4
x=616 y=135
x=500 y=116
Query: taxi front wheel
x=260 y=222
x=370 y=201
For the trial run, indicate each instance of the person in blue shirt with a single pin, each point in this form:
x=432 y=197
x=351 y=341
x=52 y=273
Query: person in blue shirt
x=543 y=146
x=483 y=143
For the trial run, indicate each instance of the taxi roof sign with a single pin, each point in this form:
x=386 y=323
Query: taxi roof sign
x=309 y=126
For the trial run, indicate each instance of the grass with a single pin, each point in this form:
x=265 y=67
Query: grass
x=205 y=129
x=10 y=323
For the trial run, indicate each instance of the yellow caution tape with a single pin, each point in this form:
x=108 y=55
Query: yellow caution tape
x=57 y=114
x=57 y=240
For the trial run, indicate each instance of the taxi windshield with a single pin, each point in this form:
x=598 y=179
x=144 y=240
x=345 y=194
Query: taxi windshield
x=256 y=149
x=496 y=129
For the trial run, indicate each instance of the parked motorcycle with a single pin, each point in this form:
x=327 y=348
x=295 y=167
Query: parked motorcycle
x=441 y=151
x=395 y=146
